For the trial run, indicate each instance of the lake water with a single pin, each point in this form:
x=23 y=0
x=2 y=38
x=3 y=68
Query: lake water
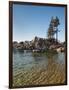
x=26 y=67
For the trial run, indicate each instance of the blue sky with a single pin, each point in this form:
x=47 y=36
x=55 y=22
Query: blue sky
x=30 y=21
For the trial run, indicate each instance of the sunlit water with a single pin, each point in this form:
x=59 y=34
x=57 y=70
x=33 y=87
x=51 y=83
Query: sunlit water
x=25 y=62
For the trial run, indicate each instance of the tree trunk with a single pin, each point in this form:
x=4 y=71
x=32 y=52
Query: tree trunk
x=56 y=36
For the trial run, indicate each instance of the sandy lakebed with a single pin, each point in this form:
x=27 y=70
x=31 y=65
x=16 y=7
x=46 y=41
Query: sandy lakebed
x=38 y=70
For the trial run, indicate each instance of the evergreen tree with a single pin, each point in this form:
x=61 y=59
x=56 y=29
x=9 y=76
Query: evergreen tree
x=53 y=28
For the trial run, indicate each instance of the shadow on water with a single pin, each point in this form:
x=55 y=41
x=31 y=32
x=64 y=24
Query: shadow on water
x=18 y=51
x=50 y=58
x=44 y=56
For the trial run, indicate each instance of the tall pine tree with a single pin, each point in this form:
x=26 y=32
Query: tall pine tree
x=53 y=28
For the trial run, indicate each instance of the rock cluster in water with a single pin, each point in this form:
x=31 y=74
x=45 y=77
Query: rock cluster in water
x=39 y=44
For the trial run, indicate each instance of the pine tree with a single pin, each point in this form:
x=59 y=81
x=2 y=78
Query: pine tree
x=53 y=28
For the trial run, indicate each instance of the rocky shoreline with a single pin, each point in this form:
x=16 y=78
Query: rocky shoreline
x=39 y=44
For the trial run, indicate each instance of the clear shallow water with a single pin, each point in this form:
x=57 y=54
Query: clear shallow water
x=26 y=61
